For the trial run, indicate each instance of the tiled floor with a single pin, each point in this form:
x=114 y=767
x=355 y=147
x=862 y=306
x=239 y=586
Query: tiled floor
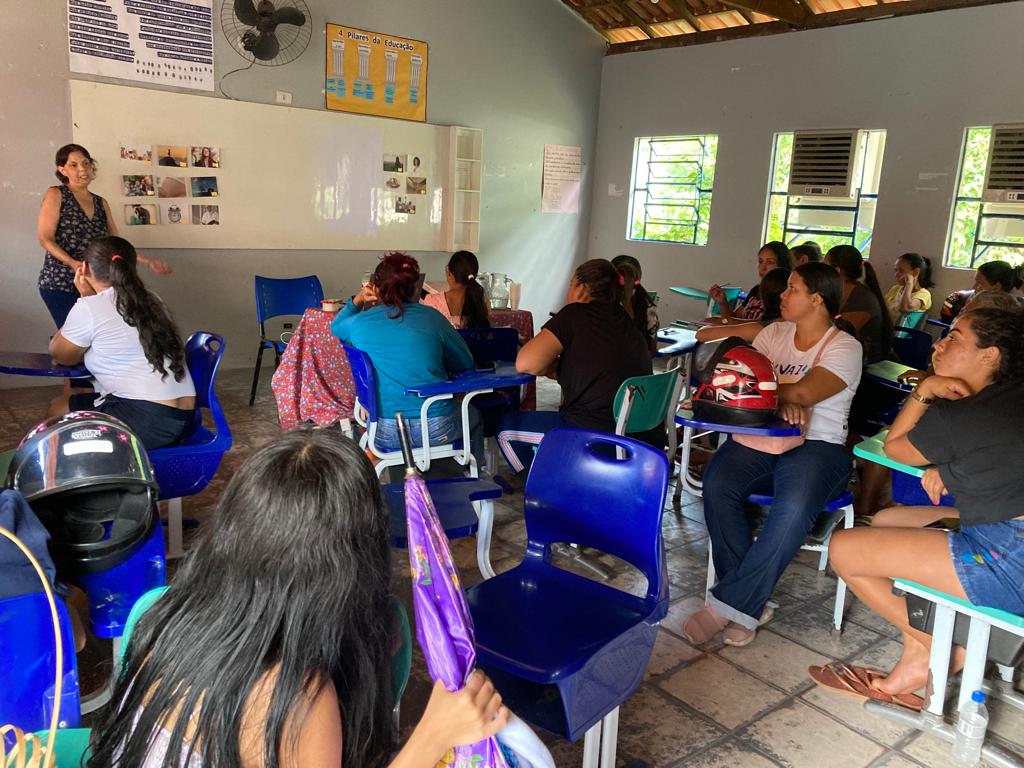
x=713 y=706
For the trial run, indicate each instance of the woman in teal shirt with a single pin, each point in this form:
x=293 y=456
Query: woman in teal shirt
x=410 y=345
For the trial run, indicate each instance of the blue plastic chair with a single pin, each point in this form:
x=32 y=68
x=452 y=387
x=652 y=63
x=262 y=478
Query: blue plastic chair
x=278 y=297
x=187 y=468
x=29 y=659
x=367 y=414
x=913 y=347
x=565 y=651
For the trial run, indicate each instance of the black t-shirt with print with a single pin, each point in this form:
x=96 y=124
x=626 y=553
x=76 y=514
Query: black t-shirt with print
x=602 y=348
x=977 y=444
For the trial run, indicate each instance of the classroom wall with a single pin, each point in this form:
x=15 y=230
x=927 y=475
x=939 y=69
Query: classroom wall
x=527 y=73
x=922 y=78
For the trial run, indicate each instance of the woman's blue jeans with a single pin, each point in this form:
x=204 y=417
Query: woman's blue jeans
x=442 y=430
x=801 y=481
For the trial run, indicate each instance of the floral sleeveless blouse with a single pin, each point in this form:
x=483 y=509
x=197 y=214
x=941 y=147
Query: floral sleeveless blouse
x=74 y=232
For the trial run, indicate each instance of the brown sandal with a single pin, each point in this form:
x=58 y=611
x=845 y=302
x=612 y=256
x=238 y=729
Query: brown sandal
x=860 y=682
x=702 y=626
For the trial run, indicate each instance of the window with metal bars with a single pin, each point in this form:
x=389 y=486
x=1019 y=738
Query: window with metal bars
x=828 y=221
x=980 y=231
x=670 y=193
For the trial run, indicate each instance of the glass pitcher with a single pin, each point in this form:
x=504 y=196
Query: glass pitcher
x=499 y=290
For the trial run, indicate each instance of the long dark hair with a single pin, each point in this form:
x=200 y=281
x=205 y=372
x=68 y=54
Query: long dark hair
x=464 y=267
x=851 y=264
x=923 y=263
x=1001 y=273
x=810 y=250
x=783 y=257
x=771 y=287
x=290 y=577
x=113 y=260
x=634 y=296
x=1002 y=328
x=396 y=279
x=601 y=279
x=823 y=280
x=62 y=158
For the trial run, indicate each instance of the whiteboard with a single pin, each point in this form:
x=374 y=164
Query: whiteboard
x=288 y=178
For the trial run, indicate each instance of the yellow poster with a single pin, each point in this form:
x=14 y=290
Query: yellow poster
x=375 y=74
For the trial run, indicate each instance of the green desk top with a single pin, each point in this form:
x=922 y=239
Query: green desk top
x=887 y=369
x=871 y=449
x=692 y=293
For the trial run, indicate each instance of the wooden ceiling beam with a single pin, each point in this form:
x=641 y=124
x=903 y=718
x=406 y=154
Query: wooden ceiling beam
x=682 y=10
x=789 y=11
x=635 y=18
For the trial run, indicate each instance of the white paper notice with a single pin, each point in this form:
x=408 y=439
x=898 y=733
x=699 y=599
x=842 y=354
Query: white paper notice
x=560 y=186
x=153 y=41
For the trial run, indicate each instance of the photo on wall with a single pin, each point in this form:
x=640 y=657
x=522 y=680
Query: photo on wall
x=206 y=157
x=404 y=205
x=171 y=186
x=204 y=186
x=392 y=182
x=205 y=215
x=415 y=186
x=176 y=157
x=137 y=186
x=174 y=213
x=139 y=214
x=142 y=153
x=414 y=166
x=394 y=163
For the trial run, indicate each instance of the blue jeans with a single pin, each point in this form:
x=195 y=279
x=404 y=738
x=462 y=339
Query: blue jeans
x=442 y=430
x=801 y=481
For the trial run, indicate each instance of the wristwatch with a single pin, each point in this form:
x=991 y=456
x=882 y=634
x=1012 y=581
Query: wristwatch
x=925 y=401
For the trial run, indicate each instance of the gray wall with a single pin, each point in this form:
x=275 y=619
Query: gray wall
x=922 y=78
x=527 y=73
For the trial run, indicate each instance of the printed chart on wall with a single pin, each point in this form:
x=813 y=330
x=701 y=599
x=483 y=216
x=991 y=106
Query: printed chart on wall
x=560 y=183
x=376 y=74
x=168 y=42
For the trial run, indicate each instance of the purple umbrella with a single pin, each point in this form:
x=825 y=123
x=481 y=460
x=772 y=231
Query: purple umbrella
x=444 y=627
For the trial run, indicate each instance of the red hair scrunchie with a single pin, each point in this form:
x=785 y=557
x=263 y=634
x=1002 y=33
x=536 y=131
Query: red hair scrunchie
x=622 y=280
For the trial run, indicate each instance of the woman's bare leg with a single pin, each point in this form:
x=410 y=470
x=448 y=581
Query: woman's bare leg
x=58 y=406
x=874 y=478
x=911 y=517
x=869 y=558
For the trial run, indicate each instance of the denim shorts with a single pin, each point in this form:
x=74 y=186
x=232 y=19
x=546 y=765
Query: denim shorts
x=989 y=561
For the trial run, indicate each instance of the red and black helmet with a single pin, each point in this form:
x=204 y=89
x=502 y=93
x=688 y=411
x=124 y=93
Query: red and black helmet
x=737 y=384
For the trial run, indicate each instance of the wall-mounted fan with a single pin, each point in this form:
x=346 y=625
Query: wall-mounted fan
x=267 y=34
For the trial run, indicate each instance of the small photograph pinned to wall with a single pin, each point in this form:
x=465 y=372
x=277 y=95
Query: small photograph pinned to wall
x=171 y=186
x=142 y=153
x=392 y=182
x=394 y=163
x=415 y=185
x=414 y=166
x=174 y=213
x=206 y=157
x=204 y=186
x=173 y=157
x=140 y=215
x=404 y=205
x=137 y=186
x=205 y=215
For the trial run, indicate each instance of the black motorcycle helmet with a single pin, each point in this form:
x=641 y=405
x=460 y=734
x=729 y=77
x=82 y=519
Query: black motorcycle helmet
x=89 y=481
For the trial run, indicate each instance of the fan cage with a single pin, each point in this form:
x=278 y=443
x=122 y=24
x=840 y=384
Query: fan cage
x=292 y=39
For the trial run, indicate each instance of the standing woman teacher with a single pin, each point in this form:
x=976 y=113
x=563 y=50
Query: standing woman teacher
x=70 y=217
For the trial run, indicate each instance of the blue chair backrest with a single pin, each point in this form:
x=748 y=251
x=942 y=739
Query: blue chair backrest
x=569 y=497
x=365 y=380
x=488 y=345
x=29 y=659
x=912 y=347
x=286 y=296
x=203 y=353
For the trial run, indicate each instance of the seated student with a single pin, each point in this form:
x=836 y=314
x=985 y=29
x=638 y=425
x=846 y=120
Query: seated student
x=409 y=344
x=635 y=299
x=990 y=276
x=273 y=645
x=805 y=252
x=967 y=421
x=773 y=255
x=910 y=292
x=770 y=289
x=131 y=346
x=591 y=346
x=818 y=367
x=464 y=304
x=863 y=304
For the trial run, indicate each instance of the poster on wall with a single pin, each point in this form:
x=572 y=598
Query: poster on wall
x=560 y=183
x=168 y=42
x=376 y=74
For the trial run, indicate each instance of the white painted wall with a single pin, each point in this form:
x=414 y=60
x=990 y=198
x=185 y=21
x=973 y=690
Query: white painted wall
x=922 y=78
x=527 y=73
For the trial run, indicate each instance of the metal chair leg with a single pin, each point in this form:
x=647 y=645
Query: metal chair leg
x=485 y=514
x=256 y=375
x=175 y=548
x=592 y=746
x=609 y=738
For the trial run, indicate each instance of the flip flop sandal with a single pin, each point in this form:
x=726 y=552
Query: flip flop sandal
x=859 y=682
x=909 y=701
x=737 y=635
x=702 y=626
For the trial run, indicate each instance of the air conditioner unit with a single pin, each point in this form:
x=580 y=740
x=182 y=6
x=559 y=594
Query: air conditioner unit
x=1004 y=174
x=827 y=163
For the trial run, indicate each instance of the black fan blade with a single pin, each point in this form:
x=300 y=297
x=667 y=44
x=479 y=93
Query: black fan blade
x=289 y=16
x=266 y=47
x=245 y=10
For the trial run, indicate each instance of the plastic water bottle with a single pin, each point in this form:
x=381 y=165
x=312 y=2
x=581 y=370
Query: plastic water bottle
x=970 y=732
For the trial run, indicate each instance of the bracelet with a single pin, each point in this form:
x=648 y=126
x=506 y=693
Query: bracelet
x=925 y=401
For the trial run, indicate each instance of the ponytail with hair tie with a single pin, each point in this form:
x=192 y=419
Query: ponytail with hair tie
x=116 y=257
x=622 y=279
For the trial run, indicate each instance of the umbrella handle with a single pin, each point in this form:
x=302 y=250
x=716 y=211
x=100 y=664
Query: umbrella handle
x=406 y=441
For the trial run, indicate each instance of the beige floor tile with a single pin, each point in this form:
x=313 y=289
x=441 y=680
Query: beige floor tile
x=727 y=695
x=805 y=582
x=653 y=729
x=802 y=737
x=731 y=754
x=811 y=626
x=861 y=614
x=850 y=711
x=1006 y=721
x=670 y=652
x=883 y=655
x=930 y=750
x=896 y=760
x=775 y=659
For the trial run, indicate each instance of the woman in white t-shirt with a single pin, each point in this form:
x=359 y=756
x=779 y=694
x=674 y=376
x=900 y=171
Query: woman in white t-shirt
x=129 y=342
x=815 y=395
